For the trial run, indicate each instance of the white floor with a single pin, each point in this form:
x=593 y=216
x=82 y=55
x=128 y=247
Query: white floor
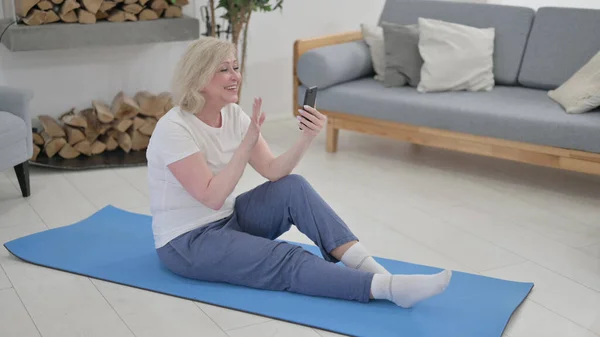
x=426 y=206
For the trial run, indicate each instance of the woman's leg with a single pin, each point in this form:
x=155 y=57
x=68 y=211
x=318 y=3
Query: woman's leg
x=270 y=209
x=222 y=253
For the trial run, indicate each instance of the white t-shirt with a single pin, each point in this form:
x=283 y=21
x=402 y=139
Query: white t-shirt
x=177 y=135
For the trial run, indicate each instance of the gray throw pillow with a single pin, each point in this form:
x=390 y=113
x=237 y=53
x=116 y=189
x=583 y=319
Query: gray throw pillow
x=403 y=61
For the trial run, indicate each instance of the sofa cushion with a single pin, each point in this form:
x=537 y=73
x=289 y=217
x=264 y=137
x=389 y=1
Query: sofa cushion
x=581 y=92
x=12 y=129
x=507 y=112
x=511 y=26
x=562 y=40
x=403 y=61
x=455 y=57
x=326 y=66
x=373 y=36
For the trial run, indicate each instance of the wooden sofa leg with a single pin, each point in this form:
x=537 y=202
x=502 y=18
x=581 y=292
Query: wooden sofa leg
x=332 y=137
x=22 y=171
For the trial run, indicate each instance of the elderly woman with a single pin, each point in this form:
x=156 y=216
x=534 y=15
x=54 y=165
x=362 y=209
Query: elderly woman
x=197 y=155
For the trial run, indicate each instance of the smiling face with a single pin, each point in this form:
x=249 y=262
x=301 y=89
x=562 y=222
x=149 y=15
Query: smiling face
x=223 y=87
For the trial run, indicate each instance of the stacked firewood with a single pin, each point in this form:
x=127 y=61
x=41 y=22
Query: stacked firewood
x=39 y=12
x=126 y=124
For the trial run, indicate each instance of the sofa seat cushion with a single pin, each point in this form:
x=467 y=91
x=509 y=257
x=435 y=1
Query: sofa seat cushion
x=507 y=112
x=12 y=129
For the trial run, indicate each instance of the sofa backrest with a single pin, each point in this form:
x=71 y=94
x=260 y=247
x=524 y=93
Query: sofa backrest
x=512 y=25
x=562 y=40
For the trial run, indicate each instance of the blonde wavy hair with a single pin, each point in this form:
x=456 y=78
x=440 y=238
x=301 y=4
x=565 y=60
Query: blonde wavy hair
x=196 y=68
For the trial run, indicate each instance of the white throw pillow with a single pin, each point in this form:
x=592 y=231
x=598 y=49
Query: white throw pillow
x=373 y=36
x=581 y=92
x=456 y=57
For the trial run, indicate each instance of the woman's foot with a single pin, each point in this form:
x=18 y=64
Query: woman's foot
x=407 y=290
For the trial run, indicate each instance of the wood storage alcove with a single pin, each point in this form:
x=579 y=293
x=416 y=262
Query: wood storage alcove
x=101 y=135
x=40 y=12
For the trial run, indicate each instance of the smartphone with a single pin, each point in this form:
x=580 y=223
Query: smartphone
x=310 y=98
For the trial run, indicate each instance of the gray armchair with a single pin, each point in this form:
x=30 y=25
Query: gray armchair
x=16 y=143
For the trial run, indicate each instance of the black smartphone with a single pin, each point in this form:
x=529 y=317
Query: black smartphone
x=310 y=97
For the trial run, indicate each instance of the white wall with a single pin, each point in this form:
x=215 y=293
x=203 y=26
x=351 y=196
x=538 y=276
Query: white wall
x=63 y=79
x=535 y=4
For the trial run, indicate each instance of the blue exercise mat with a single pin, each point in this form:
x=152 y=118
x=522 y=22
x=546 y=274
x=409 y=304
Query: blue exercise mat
x=117 y=246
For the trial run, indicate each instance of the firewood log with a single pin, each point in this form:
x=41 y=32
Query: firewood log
x=148 y=127
x=72 y=119
x=93 y=6
x=111 y=143
x=150 y=105
x=52 y=145
x=57 y=2
x=74 y=135
x=85 y=17
x=116 y=16
x=37 y=139
x=103 y=112
x=36 y=17
x=98 y=147
x=69 y=5
x=100 y=15
x=22 y=7
x=124 y=107
x=159 y=6
x=45 y=5
x=138 y=122
x=102 y=128
x=51 y=17
x=166 y=101
x=143 y=2
x=92 y=131
x=180 y=3
x=130 y=17
x=51 y=127
x=133 y=8
x=84 y=147
x=129 y=2
x=107 y=5
x=36 y=152
x=159 y=11
x=68 y=152
x=139 y=141
x=173 y=12
x=124 y=142
x=148 y=14
x=122 y=125
x=70 y=17
x=114 y=133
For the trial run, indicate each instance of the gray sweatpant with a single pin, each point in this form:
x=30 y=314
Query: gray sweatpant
x=241 y=249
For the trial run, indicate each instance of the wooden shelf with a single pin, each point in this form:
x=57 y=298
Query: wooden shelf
x=103 y=33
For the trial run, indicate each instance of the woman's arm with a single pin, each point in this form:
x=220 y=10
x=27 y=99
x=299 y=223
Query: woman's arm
x=274 y=168
x=195 y=176
x=211 y=190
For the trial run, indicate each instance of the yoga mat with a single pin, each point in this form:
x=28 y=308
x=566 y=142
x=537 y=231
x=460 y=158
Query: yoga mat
x=116 y=245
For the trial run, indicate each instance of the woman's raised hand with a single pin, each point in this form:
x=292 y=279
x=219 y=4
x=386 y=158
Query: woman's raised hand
x=258 y=117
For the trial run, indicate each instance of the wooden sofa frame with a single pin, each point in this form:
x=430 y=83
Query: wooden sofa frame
x=555 y=157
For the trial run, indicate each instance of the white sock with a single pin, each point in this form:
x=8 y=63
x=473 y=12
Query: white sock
x=407 y=290
x=357 y=257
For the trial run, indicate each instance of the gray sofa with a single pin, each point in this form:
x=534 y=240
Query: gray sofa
x=535 y=51
x=16 y=142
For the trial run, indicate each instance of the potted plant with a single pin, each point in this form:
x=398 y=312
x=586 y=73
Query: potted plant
x=237 y=14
